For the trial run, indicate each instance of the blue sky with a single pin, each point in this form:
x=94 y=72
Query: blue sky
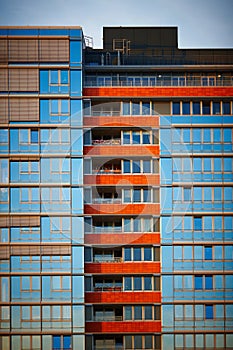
x=201 y=23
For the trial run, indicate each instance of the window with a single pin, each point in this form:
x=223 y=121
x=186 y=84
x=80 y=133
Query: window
x=208 y=282
x=226 y=108
x=62 y=342
x=216 y=108
x=187 y=194
x=59 y=107
x=197 y=223
x=140 y=166
x=176 y=108
x=34 y=136
x=186 y=108
x=206 y=107
x=209 y=312
x=208 y=253
x=196 y=108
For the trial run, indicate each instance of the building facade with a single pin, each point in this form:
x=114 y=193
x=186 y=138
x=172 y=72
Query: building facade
x=116 y=191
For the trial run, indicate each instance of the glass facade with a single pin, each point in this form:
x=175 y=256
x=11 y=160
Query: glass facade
x=116 y=194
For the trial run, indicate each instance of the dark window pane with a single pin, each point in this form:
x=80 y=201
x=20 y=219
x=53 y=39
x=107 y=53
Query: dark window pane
x=136 y=166
x=126 y=166
x=186 y=108
x=209 y=312
x=136 y=195
x=206 y=107
x=147 y=254
x=34 y=136
x=208 y=253
x=176 y=108
x=137 y=312
x=126 y=138
x=136 y=137
x=147 y=283
x=198 y=282
x=197 y=224
x=148 y=342
x=138 y=342
x=146 y=138
x=148 y=312
x=56 y=342
x=216 y=107
x=137 y=283
x=137 y=254
x=128 y=283
x=196 y=107
x=208 y=282
x=67 y=342
x=226 y=108
x=127 y=254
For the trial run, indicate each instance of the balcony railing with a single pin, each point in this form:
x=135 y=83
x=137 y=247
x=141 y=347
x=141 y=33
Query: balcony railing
x=109 y=347
x=100 y=142
x=104 y=318
x=106 y=201
x=106 y=171
x=107 y=259
x=160 y=82
x=108 y=288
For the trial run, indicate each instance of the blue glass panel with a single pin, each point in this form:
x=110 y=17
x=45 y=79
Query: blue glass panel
x=196 y=108
x=44 y=81
x=127 y=254
x=208 y=282
x=77 y=141
x=186 y=108
x=198 y=282
x=75 y=52
x=176 y=108
x=76 y=112
x=208 y=253
x=57 y=342
x=197 y=223
x=76 y=82
x=209 y=312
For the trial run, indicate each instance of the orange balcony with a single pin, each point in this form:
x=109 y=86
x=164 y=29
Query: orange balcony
x=130 y=121
x=122 y=209
x=123 y=327
x=121 y=151
x=168 y=91
x=122 y=179
x=123 y=297
x=122 y=267
x=122 y=238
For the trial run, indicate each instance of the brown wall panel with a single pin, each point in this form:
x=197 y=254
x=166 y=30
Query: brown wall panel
x=3 y=51
x=54 y=50
x=26 y=109
x=23 y=79
x=3 y=110
x=18 y=221
x=23 y=50
x=3 y=79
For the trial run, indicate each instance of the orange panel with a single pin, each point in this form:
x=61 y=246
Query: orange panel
x=120 y=121
x=123 y=327
x=122 y=297
x=123 y=268
x=122 y=179
x=122 y=209
x=122 y=238
x=121 y=151
x=159 y=91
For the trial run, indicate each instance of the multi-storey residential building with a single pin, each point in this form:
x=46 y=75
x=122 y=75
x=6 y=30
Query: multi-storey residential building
x=116 y=191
